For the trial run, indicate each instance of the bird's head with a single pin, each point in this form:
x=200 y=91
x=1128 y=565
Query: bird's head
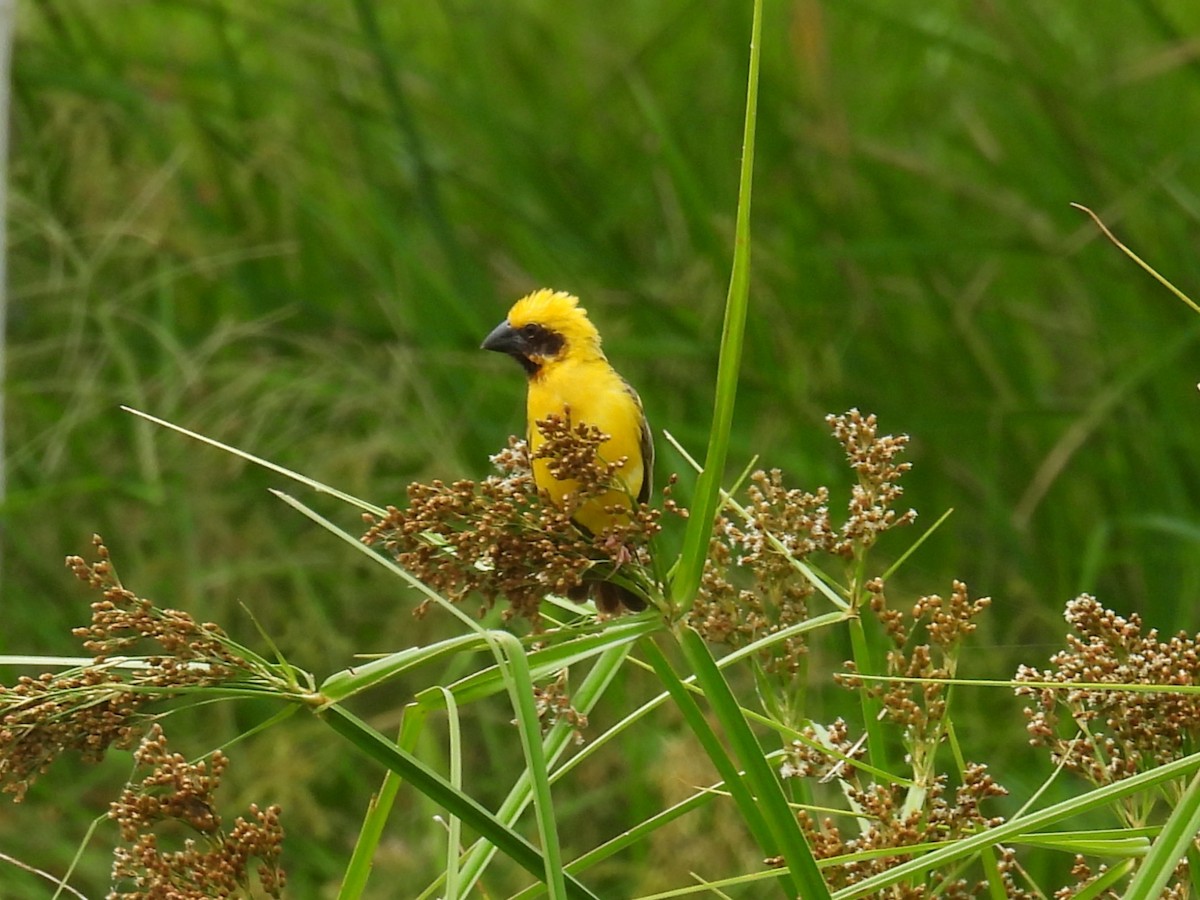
x=544 y=328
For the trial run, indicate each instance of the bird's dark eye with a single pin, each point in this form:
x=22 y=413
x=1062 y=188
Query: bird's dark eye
x=530 y=330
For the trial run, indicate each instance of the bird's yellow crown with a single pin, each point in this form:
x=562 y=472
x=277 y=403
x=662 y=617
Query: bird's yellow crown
x=559 y=312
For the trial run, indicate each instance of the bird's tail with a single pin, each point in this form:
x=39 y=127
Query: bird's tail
x=610 y=597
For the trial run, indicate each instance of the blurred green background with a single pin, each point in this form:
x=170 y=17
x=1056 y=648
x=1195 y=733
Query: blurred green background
x=288 y=225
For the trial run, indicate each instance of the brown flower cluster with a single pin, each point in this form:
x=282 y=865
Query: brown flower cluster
x=882 y=823
x=1113 y=734
x=554 y=705
x=126 y=624
x=926 y=640
x=752 y=586
x=500 y=537
x=1178 y=889
x=98 y=706
x=177 y=794
x=1109 y=734
x=826 y=752
x=925 y=644
x=873 y=457
x=781 y=526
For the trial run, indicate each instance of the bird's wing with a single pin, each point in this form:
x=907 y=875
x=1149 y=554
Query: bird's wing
x=645 y=444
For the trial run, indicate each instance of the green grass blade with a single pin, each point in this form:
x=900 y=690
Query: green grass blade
x=348 y=682
x=1177 y=837
x=1117 y=842
x=991 y=872
x=520 y=687
x=596 y=745
x=1137 y=259
x=515 y=674
x=708 y=488
x=632 y=837
x=785 y=830
x=1021 y=825
x=358 y=870
x=871 y=705
x=259 y=461
x=584 y=698
x=389 y=564
x=426 y=189
x=1104 y=883
x=915 y=545
x=747 y=804
x=544 y=662
x=454 y=826
x=373 y=744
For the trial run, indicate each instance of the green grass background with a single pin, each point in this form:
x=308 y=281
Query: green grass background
x=288 y=225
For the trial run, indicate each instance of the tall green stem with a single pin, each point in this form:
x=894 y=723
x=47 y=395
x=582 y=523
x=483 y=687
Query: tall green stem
x=708 y=488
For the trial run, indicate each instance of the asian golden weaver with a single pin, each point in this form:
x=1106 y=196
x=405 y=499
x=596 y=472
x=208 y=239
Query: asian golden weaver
x=550 y=335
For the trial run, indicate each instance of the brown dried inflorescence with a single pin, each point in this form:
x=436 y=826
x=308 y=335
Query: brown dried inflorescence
x=216 y=863
x=883 y=823
x=925 y=645
x=873 y=457
x=1114 y=734
x=1085 y=876
x=501 y=537
x=1105 y=734
x=824 y=752
x=926 y=640
x=100 y=705
x=553 y=703
x=752 y=585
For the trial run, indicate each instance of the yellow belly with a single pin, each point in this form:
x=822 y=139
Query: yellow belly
x=593 y=394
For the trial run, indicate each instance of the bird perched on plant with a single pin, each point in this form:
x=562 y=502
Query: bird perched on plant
x=550 y=335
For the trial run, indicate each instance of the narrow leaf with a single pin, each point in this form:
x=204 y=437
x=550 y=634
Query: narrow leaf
x=747 y=804
x=781 y=820
x=708 y=488
x=440 y=791
x=1177 y=837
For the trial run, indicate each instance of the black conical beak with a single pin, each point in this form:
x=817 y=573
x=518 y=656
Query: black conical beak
x=503 y=339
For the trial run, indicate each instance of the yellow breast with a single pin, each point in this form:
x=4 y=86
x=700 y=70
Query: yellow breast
x=589 y=392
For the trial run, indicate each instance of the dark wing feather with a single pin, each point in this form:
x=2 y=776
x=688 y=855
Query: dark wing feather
x=646 y=445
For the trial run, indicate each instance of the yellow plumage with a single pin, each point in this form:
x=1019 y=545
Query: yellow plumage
x=550 y=335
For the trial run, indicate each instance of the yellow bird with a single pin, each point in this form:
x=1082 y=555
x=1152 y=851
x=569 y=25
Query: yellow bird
x=550 y=335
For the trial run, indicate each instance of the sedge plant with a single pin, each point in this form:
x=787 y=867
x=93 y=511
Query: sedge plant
x=883 y=800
